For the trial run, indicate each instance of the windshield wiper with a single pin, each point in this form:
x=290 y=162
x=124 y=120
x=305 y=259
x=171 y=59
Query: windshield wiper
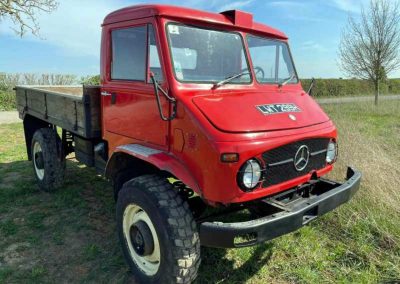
x=287 y=80
x=230 y=78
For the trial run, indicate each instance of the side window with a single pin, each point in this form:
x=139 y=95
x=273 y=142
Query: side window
x=129 y=54
x=285 y=70
x=265 y=58
x=154 y=59
x=271 y=60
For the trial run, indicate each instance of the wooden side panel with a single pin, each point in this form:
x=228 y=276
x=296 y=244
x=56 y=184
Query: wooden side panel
x=21 y=100
x=66 y=110
x=93 y=105
x=79 y=114
x=36 y=103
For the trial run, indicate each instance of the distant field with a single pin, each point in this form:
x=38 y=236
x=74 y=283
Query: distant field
x=70 y=236
x=323 y=87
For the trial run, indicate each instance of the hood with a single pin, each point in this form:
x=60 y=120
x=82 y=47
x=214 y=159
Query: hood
x=261 y=111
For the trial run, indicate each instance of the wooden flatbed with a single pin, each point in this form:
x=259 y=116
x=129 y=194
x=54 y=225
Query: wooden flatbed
x=73 y=108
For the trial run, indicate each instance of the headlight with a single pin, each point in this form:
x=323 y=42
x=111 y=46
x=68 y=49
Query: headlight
x=249 y=175
x=331 y=153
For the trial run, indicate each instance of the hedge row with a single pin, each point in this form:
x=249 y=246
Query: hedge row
x=349 y=87
x=322 y=88
x=7 y=100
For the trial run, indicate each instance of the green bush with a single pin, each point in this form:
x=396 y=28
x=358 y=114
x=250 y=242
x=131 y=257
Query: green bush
x=7 y=100
x=349 y=87
x=91 y=80
x=8 y=81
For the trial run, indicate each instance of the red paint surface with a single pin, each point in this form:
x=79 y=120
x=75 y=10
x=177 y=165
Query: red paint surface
x=210 y=122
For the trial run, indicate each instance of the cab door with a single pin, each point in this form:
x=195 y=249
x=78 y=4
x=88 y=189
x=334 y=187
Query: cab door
x=128 y=99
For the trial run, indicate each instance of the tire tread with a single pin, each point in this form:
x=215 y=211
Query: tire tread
x=54 y=167
x=182 y=228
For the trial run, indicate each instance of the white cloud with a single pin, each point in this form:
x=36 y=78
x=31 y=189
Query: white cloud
x=75 y=27
x=313 y=46
x=353 y=6
x=297 y=11
x=211 y=5
x=235 y=5
x=287 y=4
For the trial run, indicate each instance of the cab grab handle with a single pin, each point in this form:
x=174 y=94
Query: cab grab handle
x=170 y=99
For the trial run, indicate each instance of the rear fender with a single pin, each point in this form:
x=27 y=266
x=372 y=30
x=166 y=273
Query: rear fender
x=161 y=160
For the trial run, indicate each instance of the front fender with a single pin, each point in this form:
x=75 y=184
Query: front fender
x=160 y=159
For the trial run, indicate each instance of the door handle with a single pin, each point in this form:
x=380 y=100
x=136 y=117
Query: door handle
x=112 y=95
x=113 y=98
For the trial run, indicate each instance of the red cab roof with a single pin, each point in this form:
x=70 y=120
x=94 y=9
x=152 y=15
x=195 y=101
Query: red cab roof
x=233 y=18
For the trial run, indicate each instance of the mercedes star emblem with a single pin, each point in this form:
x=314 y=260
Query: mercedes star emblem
x=301 y=158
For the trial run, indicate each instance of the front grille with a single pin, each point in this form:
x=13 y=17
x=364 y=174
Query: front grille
x=280 y=161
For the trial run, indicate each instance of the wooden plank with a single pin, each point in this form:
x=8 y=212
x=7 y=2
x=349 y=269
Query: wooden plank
x=36 y=103
x=94 y=105
x=73 y=111
x=64 y=109
x=21 y=100
x=74 y=91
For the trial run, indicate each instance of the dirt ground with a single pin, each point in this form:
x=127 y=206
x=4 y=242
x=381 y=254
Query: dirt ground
x=9 y=117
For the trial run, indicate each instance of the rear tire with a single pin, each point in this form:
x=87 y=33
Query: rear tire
x=48 y=167
x=157 y=232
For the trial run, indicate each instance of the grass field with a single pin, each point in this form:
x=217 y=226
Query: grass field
x=69 y=236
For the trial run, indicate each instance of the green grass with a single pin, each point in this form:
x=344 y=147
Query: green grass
x=7 y=100
x=70 y=235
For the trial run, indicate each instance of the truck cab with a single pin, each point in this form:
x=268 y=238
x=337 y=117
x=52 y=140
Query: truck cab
x=198 y=116
x=215 y=125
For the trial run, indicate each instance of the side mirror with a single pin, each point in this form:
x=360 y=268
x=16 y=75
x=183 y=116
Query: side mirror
x=311 y=87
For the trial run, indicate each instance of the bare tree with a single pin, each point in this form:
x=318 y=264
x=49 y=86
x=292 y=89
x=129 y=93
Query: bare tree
x=369 y=48
x=23 y=13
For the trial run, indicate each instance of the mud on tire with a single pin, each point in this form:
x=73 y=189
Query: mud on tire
x=178 y=239
x=49 y=169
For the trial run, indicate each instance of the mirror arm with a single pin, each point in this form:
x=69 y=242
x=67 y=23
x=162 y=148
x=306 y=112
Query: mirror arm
x=170 y=99
x=311 y=87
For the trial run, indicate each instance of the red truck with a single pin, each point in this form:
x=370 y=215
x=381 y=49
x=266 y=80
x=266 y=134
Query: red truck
x=198 y=116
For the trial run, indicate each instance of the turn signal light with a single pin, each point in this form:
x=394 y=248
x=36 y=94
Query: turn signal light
x=229 y=157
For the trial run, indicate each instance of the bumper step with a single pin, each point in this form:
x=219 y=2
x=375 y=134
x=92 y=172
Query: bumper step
x=326 y=196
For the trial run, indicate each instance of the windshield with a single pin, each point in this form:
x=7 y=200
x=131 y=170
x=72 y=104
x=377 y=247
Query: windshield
x=206 y=56
x=271 y=61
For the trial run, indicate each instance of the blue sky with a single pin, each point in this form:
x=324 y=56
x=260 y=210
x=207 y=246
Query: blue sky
x=72 y=33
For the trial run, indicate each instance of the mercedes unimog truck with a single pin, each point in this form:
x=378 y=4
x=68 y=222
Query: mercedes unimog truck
x=198 y=116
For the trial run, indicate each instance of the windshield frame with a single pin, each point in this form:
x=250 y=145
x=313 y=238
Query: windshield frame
x=244 y=46
x=290 y=56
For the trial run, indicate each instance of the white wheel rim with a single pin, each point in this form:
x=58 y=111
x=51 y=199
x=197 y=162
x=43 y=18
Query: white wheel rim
x=148 y=264
x=36 y=150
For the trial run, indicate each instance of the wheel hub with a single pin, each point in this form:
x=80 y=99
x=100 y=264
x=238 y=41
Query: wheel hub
x=39 y=160
x=141 y=238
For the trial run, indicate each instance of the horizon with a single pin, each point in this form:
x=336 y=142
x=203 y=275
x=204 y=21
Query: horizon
x=313 y=27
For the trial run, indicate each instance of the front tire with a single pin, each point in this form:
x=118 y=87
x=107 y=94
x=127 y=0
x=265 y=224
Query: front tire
x=49 y=168
x=157 y=232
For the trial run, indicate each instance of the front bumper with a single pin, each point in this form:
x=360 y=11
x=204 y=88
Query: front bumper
x=332 y=195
